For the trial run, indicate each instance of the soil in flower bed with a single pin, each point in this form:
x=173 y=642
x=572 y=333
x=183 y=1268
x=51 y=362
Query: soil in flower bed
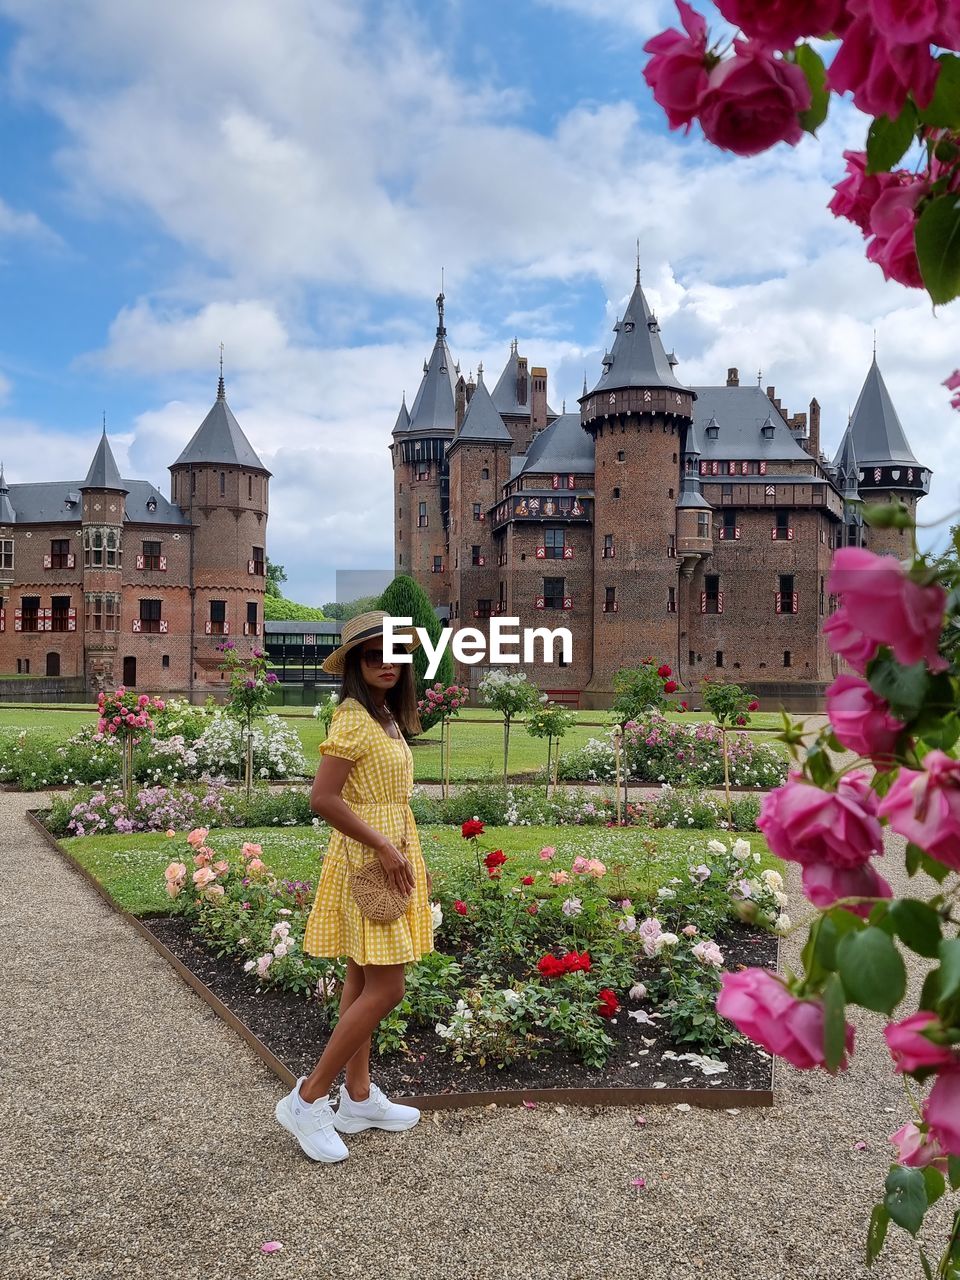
x=295 y=1030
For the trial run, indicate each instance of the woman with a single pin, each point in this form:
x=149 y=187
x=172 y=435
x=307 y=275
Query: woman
x=362 y=789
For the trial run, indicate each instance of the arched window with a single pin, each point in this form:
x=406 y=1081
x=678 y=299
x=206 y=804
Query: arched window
x=223 y=483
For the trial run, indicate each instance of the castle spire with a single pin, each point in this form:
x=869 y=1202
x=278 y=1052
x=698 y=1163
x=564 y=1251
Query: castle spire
x=221 y=386
x=637 y=357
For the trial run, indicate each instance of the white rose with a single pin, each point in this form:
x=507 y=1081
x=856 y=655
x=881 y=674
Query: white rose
x=742 y=850
x=638 y=991
x=437 y=913
x=782 y=925
x=772 y=879
x=666 y=940
x=666 y=893
x=781 y=899
x=717 y=846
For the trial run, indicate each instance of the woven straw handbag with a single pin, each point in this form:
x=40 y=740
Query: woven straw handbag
x=374 y=894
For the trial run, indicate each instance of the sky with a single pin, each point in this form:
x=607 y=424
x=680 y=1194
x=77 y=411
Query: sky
x=289 y=179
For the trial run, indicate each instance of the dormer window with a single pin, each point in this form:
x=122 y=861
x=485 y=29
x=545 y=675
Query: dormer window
x=713 y=431
x=628 y=326
x=768 y=430
x=151 y=504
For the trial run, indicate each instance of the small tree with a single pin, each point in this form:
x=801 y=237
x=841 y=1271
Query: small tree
x=639 y=691
x=551 y=721
x=729 y=705
x=276 y=577
x=405 y=598
x=438 y=706
x=344 y=609
x=249 y=697
x=510 y=693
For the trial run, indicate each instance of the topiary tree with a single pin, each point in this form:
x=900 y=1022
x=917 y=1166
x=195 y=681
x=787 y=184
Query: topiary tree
x=405 y=598
x=551 y=721
x=729 y=705
x=510 y=693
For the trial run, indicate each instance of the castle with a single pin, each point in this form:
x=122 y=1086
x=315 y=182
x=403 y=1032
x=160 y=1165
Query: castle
x=692 y=524
x=105 y=580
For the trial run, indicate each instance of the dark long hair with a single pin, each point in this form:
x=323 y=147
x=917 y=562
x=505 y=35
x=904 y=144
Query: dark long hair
x=401 y=699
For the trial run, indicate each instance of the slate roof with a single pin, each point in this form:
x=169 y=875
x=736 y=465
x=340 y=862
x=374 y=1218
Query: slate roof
x=220 y=440
x=481 y=421
x=7 y=513
x=505 y=392
x=434 y=410
x=49 y=501
x=875 y=428
x=563 y=446
x=740 y=413
x=104 y=472
x=845 y=464
x=637 y=358
x=403 y=418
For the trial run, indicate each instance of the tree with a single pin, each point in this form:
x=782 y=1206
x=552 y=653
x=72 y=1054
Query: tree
x=344 y=609
x=276 y=577
x=279 y=609
x=405 y=598
x=512 y=694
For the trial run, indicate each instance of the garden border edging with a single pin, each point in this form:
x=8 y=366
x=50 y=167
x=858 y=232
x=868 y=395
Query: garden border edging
x=713 y=1099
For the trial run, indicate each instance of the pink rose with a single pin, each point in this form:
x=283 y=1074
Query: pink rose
x=197 y=836
x=910 y=1048
x=249 y=850
x=859 y=191
x=547 y=852
x=825 y=884
x=861 y=719
x=844 y=639
x=753 y=101
x=175 y=871
x=255 y=866
x=893 y=222
x=942 y=1111
x=916 y=1149
x=886 y=606
x=908 y=21
x=677 y=71
x=781 y=23
x=953 y=384
x=924 y=806
x=759 y=1004
x=878 y=71
x=807 y=825
x=580 y=865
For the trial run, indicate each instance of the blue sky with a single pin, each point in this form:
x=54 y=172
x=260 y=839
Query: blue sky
x=289 y=180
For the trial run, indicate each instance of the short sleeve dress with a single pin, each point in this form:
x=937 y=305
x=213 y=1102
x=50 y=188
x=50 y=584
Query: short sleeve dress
x=378 y=789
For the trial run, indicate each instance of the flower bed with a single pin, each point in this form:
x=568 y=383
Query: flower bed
x=528 y=967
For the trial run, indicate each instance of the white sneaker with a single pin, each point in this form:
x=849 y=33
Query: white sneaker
x=312 y=1126
x=375 y=1112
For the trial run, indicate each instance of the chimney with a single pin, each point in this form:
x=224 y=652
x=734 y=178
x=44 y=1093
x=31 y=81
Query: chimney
x=461 y=401
x=522 y=380
x=733 y=377
x=813 y=440
x=538 y=403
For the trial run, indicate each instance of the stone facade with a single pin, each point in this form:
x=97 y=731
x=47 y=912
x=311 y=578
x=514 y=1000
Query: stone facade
x=109 y=581
x=695 y=525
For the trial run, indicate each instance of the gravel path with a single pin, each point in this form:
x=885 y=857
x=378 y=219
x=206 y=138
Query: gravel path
x=139 y=1141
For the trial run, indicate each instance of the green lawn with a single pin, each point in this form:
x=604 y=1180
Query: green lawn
x=131 y=867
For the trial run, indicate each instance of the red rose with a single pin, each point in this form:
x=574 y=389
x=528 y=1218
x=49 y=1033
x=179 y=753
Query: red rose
x=664 y=672
x=527 y=880
x=671 y=686
x=741 y=720
x=550 y=966
x=683 y=706
x=496 y=858
x=472 y=827
x=609 y=1004
x=460 y=907
x=576 y=963
x=753 y=705
x=533 y=908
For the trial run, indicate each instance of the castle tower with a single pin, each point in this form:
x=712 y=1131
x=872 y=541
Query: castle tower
x=220 y=483
x=420 y=478
x=103 y=495
x=847 y=471
x=520 y=398
x=479 y=462
x=887 y=468
x=638 y=414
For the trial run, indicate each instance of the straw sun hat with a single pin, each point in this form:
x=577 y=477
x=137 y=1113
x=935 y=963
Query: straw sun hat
x=365 y=626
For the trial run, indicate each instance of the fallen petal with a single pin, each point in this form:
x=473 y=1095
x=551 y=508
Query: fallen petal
x=271 y=1246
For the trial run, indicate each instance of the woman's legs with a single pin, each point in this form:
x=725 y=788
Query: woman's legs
x=357 y=1071
x=383 y=987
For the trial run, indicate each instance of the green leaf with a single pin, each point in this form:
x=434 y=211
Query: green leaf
x=925 y=1263
x=819 y=764
x=935 y=1183
x=834 y=1023
x=906 y=1198
x=872 y=970
x=930 y=994
x=918 y=925
x=877 y=1232
x=944 y=111
x=833 y=925
x=811 y=64
x=949 y=968
x=934 y=869
x=888 y=140
x=905 y=688
x=953 y=1172
x=914 y=854
x=938 y=248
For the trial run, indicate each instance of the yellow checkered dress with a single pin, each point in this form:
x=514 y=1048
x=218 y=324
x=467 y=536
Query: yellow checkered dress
x=377 y=789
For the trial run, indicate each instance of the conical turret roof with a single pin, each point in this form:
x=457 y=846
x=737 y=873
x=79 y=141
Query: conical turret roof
x=7 y=513
x=104 y=472
x=845 y=464
x=875 y=429
x=434 y=409
x=637 y=358
x=403 y=418
x=219 y=440
x=482 y=421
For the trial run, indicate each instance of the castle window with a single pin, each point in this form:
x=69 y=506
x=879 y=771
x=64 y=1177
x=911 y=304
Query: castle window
x=60 y=556
x=621 y=456
x=711 y=600
x=29 y=613
x=485 y=473
x=553 y=593
x=112 y=549
x=165 y=661
x=223 y=484
x=669 y=493
x=111 y=613
x=719 y=659
x=423 y=470
x=822 y=598
x=554 y=543
x=259 y=562
x=93 y=548
x=616 y=493
x=150 y=615
x=609 y=551
x=60 y=613
x=729 y=531
x=422 y=515
x=671 y=599
x=477 y=513
x=475 y=556
x=151 y=555
x=438 y=564
x=6 y=553
x=726 y=493
x=786 y=595
x=703 y=524
x=610 y=600
x=23 y=666
x=782 y=532
x=252 y=617
x=218 y=617
x=484 y=608
x=94 y=613
x=671 y=544
x=787 y=658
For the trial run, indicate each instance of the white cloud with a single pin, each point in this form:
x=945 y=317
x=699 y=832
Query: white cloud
x=6 y=386
x=26 y=226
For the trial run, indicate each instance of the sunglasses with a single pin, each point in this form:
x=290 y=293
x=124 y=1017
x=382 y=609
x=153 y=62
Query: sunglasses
x=374 y=657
